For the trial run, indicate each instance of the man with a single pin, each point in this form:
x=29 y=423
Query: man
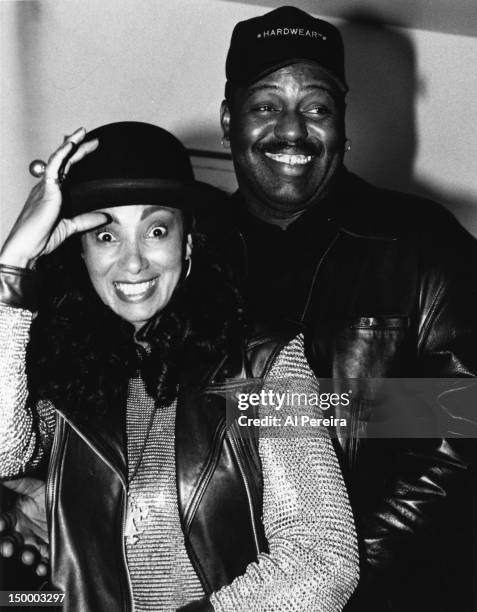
x=384 y=284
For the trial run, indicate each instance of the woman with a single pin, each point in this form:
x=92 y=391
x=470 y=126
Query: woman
x=153 y=503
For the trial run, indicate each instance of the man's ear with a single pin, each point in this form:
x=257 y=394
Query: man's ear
x=225 y=119
x=188 y=251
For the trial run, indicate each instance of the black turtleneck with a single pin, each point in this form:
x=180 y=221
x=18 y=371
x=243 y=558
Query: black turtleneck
x=281 y=262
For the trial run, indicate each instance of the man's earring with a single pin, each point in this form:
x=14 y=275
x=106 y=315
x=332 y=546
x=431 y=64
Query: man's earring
x=189 y=261
x=225 y=142
x=347 y=146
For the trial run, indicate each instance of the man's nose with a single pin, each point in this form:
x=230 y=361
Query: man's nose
x=291 y=126
x=133 y=258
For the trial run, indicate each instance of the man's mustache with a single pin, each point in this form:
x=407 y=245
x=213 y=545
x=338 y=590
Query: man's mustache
x=300 y=147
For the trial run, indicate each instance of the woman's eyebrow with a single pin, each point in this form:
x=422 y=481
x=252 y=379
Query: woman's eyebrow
x=152 y=209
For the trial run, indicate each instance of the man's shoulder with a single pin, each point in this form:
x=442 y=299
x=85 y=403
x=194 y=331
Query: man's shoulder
x=372 y=210
x=256 y=350
x=266 y=340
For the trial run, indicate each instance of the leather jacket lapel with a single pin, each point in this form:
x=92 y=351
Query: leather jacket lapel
x=105 y=432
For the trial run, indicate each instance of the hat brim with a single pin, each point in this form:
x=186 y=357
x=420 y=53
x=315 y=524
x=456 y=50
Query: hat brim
x=342 y=86
x=190 y=196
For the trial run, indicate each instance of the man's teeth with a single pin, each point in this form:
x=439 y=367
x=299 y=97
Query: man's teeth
x=292 y=160
x=134 y=288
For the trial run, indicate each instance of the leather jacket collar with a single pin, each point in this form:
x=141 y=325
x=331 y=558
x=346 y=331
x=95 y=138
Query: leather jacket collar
x=359 y=209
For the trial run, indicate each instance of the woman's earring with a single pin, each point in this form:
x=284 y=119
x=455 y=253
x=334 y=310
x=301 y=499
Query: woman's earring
x=347 y=145
x=189 y=261
x=225 y=142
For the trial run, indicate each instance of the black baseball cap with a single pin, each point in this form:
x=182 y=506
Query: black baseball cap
x=281 y=37
x=135 y=163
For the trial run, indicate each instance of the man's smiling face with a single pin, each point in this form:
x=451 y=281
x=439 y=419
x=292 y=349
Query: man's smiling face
x=287 y=136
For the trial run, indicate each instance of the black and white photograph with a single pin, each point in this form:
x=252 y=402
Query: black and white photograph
x=238 y=305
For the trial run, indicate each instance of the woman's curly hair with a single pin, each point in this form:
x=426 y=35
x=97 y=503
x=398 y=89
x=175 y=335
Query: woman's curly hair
x=81 y=354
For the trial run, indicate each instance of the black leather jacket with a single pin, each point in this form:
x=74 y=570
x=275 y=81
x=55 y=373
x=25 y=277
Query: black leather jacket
x=386 y=286
x=89 y=455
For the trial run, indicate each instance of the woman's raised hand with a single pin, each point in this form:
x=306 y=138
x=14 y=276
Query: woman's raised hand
x=39 y=228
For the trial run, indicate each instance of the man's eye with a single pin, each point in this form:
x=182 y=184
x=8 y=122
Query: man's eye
x=264 y=108
x=105 y=237
x=318 y=109
x=158 y=231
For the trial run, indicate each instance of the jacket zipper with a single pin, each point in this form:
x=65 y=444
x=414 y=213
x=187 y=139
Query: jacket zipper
x=52 y=473
x=352 y=446
x=123 y=549
x=247 y=489
x=123 y=483
x=315 y=274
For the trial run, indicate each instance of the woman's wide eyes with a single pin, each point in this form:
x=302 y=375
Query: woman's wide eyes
x=155 y=232
x=158 y=231
x=105 y=237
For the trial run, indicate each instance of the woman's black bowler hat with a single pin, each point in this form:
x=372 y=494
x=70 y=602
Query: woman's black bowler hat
x=135 y=163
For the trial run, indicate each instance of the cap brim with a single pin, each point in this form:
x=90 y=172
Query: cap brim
x=296 y=60
x=92 y=195
x=261 y=73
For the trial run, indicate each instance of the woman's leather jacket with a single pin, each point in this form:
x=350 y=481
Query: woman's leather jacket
x=218 y=478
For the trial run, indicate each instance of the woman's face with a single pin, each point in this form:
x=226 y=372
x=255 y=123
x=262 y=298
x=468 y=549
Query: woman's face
x=135 y=261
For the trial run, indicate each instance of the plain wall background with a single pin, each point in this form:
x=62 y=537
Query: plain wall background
x=412 y=111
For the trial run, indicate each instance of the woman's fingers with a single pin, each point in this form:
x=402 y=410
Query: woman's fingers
x=82 y=223
x=70 y=152
x=82 y=151
x=59 y=164
x=68 y=227
x=38 y=229
x=58 y=157
x=88 y=221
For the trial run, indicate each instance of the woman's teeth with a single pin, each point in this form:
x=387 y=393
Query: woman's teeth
x=135 y=288
x=292 y=160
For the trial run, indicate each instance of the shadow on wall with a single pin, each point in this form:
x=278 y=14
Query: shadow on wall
x=384 y=87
